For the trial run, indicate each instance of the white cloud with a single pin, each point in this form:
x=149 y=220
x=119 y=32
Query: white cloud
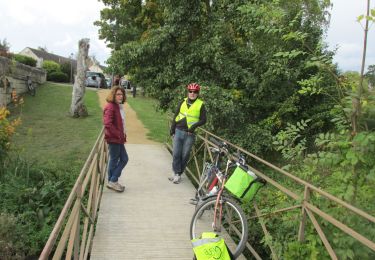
x=57 y=25
x=64 y=43
x=347 y=34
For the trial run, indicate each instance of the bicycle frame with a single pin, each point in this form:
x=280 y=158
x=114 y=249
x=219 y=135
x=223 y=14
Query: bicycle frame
x=218 y=199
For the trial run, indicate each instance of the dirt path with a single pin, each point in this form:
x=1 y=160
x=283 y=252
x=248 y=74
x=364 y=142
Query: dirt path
x=136 y=132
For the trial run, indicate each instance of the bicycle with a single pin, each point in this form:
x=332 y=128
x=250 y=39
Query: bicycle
x=209 y=182
x=217 y=212
x=30 y=87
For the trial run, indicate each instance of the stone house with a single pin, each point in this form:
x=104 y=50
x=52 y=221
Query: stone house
x=40 y=56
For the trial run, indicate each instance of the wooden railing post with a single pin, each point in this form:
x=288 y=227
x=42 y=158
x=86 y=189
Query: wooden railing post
x=301 y=231
x=78 y=223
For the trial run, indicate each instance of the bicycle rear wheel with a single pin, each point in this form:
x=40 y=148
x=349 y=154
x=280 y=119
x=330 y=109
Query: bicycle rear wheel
x=233 y=223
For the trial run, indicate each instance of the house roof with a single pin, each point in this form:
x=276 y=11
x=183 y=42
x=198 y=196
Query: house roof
x=50 y=56
x=56 y=58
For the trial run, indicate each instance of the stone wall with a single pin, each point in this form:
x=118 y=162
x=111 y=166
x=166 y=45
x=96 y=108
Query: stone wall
x=15 y=73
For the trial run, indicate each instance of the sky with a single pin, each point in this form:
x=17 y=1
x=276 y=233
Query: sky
x=59 y=25
x=347 y=34
x=56 y=25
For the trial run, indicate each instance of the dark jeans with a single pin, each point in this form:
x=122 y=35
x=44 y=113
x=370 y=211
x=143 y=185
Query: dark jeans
x=118 y=158
x=182 y=144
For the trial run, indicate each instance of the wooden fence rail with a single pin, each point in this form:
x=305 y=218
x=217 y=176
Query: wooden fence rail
x=72 y=234
x=301 y=200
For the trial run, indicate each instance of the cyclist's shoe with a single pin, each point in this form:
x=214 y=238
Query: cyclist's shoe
x=121 y=186
x=177 y=179
x=115 y=186
x=172 y=177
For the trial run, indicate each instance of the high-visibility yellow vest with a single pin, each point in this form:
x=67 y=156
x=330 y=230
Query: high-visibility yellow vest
x=191 y=113
x=210 y=247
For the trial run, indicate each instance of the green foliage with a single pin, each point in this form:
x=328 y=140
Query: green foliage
x=370 y=74
x=34 y=195
x=51 y=67
x=4 y=46
x=24 y=60
x=10 y=238
x=58 y=76
x=292 y=141
x=66 y=69
x=56 y=72
x=4 y=49
x=249 y=57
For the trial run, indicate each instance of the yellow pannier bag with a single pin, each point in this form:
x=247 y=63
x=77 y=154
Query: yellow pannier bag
x=244 y=184
x=210 y=247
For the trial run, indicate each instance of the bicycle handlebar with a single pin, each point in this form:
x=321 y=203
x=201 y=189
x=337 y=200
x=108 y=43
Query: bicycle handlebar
x=217 y=142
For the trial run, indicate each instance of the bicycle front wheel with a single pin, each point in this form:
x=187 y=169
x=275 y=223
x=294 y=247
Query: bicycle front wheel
x=233 y=228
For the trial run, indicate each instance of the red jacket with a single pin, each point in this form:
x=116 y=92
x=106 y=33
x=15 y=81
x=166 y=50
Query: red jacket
x=113 y=126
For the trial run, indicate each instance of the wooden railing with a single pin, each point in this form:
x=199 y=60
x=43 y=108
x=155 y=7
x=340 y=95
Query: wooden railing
x=307 y=208
x=72 y=234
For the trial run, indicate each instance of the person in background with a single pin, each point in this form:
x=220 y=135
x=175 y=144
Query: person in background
x=190 y=114
x=134 y=91
x=116 y=81
x=115 y=136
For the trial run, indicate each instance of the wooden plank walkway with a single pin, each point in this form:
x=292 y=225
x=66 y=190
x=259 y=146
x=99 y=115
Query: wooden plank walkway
x=151 y=219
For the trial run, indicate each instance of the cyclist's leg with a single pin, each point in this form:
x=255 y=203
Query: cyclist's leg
x=178 y=141
x=189 y=140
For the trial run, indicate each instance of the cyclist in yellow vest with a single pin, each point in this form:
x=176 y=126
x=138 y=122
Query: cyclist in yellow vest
x=189 y=114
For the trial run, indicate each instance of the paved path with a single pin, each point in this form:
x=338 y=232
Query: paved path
x=151 y=219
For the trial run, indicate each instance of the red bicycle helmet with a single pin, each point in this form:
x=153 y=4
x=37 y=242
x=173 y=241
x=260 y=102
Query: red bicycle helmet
x=194 y=87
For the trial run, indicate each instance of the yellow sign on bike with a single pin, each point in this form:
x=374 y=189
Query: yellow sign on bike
x=210 y=247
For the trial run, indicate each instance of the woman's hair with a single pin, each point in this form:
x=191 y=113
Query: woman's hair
x=112 y=95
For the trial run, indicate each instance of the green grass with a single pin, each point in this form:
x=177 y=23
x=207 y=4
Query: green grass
x=155 y=121
x=49 y=134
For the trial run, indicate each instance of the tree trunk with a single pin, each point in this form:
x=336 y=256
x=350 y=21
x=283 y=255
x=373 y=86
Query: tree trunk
x=78 y=108
x=356 y=101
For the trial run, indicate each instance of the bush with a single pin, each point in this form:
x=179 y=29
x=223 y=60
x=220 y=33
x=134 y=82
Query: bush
x=10 y=241
x=66 y=68
x=24 y=60
x=7 y=129
x=58 y=76
x=34 y=195
x=51 y=66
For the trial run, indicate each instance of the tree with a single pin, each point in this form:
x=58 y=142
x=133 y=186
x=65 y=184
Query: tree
x=4 y=48
x=370 y=75
x=251 y=55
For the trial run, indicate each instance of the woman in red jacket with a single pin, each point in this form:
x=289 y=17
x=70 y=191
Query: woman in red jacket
x=115 y=135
